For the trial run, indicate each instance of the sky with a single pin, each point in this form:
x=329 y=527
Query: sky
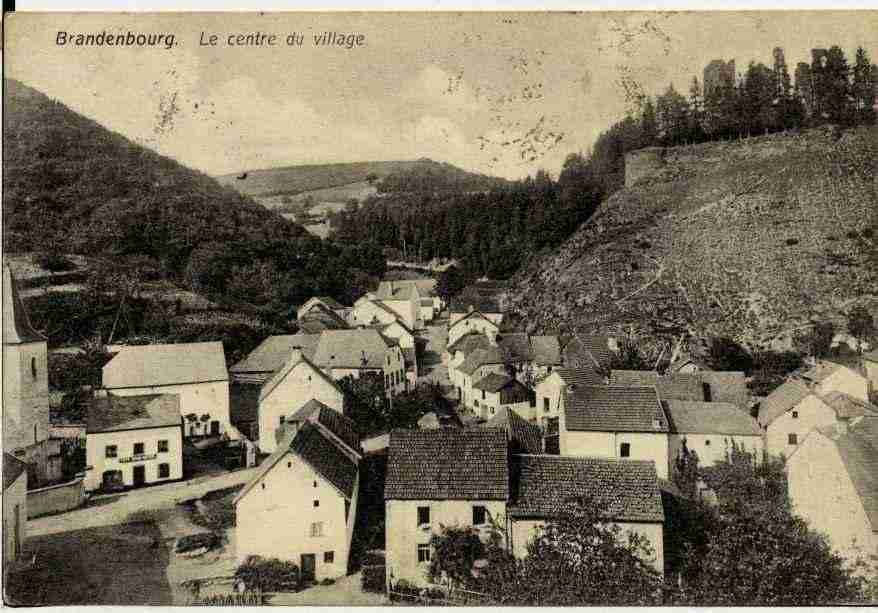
x=500 y=93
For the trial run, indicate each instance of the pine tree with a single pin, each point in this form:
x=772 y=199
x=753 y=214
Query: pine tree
x=864 y=88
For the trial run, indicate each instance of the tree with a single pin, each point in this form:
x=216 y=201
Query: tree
x=861 y=325
x=455 y=551
x=815 y=342
x=365 y=402
x=450 y=283
x=686 y=470
x=726 y=354
x=671 y=113
x=863 y=88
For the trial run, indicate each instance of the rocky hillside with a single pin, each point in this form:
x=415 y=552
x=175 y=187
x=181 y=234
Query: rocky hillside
x=748 y=239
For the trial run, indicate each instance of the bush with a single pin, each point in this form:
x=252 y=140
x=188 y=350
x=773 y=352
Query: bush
x=268 y=574
x=53 y=262
x=403 y=589
x=374 y=578
x=191 y=542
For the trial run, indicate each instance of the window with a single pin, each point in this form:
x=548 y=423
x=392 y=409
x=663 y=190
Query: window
x=282 y=419
x=164 y=471
x=707 y=443
x=480 y=515
x=546 y=405
x=625 y=450
x=795 y=415
x=110 y=451
x=423 y=553
x=316 y=503
x=423 y=516
x=793 y=439
x=33 y=367
x=476 y=402
x=483 y=394
x=315 y=484
x=317 y=528
x=138 y=448
x=263 y=485
x=163 y=446
x=329 y=557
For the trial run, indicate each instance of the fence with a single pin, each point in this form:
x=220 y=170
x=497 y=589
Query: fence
x=55 y=498
x=436 y=596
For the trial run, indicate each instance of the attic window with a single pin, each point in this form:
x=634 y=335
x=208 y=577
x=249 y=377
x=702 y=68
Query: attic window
x=795 y=415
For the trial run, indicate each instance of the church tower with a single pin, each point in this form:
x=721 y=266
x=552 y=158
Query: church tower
x=25 y=385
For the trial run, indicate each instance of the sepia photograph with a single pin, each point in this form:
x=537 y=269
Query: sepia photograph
x=440 y=308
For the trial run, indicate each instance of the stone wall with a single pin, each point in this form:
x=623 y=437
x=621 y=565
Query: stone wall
x=643 y=163
x=55 y=498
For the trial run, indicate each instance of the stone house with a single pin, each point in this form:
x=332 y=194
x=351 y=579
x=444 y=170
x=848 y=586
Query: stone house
x=833 y=484
x=404 y=299
x=196 y=372
x=487 y=307
x=710 y=429
x=615 y=422
x=495 y=392
x=370 y=312
x=474 y=321
x=301 y=505
x=326 y=302
x=474 y=367
x=553 y=389
x=132 y=441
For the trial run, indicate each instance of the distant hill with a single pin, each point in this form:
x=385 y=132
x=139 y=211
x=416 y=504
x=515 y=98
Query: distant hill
x=293 y=180
x=748 y=239
x=69 y=184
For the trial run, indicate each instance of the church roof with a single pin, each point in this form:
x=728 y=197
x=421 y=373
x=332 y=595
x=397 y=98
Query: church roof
x=17 y=328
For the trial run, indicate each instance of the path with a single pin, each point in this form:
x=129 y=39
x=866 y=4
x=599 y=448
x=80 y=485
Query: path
x=346 y=591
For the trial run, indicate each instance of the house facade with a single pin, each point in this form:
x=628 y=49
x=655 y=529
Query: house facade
x=495 y=392
x=838 y=462
x=627 y=423
x=196 y=372
x=368 y=312
x=26 y=390
x=487 y=308
x=477 y=365
x=301 y=505
x=297 y=382
x=551 y=391
x=132 y=441
x=404 y=299
x=710 y=429
x=14 y=509
x=472 y=322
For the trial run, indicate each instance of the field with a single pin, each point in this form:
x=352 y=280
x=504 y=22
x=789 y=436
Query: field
x=333 y=196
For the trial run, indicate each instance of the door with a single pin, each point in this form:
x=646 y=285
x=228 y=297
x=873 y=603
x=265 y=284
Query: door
x=139 y=475
x=309 y=567
x=16 y=545
x=214 y=428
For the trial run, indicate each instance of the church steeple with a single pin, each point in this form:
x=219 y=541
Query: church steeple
x=17 y=328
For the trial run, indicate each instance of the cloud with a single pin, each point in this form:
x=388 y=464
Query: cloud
x=436 y=88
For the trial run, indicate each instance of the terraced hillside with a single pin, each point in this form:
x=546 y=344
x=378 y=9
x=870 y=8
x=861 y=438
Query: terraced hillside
x=748 y=239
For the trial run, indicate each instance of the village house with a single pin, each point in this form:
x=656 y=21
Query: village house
x=405 y=337
x=430 y=302
x=295 y=384
x=833 y=484
x=456 y=353
x=26 y=391
x=615 y=422
x=477 y=365
x=625 y=492
x=474 y=321
x=344 y=353
x=710 y=429
x=319 y=318
x=132 y=441
x=683 y=386
x=440 y=477
x=194 y=371
x=14 y=510
x=496 y=391
x=589 y=351
x=551 y=391
x=301 y=505
x=369 y=312
x=325 y=303
x=820 y=396
x=461 y=307
x=403 y=299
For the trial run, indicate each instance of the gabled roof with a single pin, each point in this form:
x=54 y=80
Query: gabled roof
x=16 y=324
x=471 y=315
x=483 y=304
x=321 y=316
x=469 y=342
x=294 y=359
x=727 y=386
x=626 y=490
x=447 y=464
x=328 y=301
x=545 y=350
x=847 y=406
x=362 y=348
x=479 y=358
x=578 y=377
x=524 y=437
x=156 y=365
x=13 y=468
x=397 y=290
x=396 y=322
x=307 y=411
x=790 y=393
x=858 y=449
x=274 y=351
x=588 y=351
x=678 y=386
x=614 y=409
x=112 y=413
x=320 y=452
x=691 y=417
x=426 y=287
x=341 y=426
x=494 y=382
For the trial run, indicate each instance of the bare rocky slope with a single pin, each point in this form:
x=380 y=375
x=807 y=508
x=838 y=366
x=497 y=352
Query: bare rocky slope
x=747 y=239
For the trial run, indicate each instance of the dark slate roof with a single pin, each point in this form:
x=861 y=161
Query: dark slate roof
x=588 y=351
x=16 y=324
x=691 y=417
x=494 y=382
x=447 y=464
x=469 y=342
x=614 y=409
x=483 y=305
x=340 y=426
x=626 y=490
x=781 y=400
x=326 y=316
x=858 y=449
x=578 y=377
x=679 y=386
x=727 y=386
x=524 y=437
x=274 y=351
x=480 y=357
x=112 y=413
x=12 y=470
x=324 y=456
x=362 y=348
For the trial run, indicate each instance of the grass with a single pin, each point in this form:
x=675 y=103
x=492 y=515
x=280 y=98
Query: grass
x=113 y=565
x=215 y=510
